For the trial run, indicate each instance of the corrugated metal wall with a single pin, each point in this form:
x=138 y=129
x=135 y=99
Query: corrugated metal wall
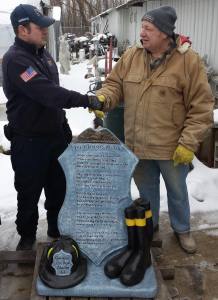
x=133 y=23
x=122 y=33
x=113 y=22
x=199 y=20
x=130 y=23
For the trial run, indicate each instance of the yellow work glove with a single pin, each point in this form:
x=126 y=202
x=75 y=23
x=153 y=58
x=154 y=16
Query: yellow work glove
x=182 y=155
x=98 y=113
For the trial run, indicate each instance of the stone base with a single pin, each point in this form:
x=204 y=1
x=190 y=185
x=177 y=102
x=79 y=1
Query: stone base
x=96 y=284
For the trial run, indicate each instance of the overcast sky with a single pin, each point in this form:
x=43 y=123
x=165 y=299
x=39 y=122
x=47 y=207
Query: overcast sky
x=9 y=5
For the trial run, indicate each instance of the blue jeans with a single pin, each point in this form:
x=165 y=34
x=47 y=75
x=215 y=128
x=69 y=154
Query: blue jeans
x=147 y=179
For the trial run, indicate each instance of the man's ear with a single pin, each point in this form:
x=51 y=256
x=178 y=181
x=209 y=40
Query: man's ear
x=164 y=35
x=22 y=30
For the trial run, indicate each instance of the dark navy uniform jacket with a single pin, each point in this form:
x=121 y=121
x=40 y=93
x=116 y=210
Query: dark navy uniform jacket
x=31 y=85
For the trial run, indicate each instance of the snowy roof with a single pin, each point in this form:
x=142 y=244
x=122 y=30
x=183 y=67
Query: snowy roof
x=127 y=4
x=104 y=13
x=130 y=3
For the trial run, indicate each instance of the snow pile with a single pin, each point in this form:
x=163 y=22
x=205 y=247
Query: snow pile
x=98 y=37
x=4 y=143
x=3 y=99
x=215 y=116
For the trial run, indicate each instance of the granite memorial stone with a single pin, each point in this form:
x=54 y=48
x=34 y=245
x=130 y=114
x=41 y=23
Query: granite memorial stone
x=98 y=169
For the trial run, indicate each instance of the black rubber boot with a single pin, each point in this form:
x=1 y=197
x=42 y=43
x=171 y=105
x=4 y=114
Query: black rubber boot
x=135 y=269
x=148 y=214
x=115 y=265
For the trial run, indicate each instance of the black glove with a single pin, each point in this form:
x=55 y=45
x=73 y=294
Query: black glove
x=98 y=122
x=95 y=103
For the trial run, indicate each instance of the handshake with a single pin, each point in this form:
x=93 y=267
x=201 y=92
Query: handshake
x=96 y=105
x=96 y=102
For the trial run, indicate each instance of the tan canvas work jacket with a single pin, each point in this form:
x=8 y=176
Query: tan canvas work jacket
x=169 y=106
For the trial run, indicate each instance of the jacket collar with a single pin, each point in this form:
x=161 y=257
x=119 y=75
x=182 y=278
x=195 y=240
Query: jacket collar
x=28 y=47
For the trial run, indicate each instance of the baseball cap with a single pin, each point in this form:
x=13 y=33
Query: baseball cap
x=25 y=13
x=62 y=265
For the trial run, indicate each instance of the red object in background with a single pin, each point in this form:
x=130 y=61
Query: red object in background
x=110 y=56
x=184 y=39
x=105 y=66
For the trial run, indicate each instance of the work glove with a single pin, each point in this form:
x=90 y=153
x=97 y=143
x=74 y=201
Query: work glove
x=182 y=155
x=96 y=103
x=98 y=113
x=98 y=122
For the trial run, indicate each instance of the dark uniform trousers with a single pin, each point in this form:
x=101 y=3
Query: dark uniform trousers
x=35 y=163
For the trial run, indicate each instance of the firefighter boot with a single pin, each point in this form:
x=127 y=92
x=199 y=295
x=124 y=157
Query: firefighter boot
x=135 y=269
x=115 y=265
x=148 y=215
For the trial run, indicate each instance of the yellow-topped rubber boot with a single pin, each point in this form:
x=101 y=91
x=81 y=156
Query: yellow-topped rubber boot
x=115 y=265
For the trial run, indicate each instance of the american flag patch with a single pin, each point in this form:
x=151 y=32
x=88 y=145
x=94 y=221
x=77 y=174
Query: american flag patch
x=28 y=74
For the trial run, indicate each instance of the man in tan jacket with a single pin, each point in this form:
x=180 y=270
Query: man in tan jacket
x=168 y=109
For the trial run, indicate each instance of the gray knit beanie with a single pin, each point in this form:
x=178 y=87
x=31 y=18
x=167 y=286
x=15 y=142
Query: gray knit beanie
x=163 y=18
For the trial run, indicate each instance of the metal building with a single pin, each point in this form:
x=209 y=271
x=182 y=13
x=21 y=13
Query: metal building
x=196 y=19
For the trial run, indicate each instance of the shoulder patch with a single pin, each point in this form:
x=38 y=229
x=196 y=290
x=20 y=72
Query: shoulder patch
x=28 y=74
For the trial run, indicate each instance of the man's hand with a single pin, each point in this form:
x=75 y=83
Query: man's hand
x=182 y=155
x=96 y=102
x=98 y=122
x=99 y=114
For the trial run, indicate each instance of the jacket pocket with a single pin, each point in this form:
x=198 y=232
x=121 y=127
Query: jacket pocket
x=165 y=89
x=133 y=77
x=178 y=115
x=160 y=129
x=159 y=115
x=131 y=86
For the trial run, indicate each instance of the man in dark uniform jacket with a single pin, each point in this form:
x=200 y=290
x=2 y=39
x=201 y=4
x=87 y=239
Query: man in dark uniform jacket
x=38 y=129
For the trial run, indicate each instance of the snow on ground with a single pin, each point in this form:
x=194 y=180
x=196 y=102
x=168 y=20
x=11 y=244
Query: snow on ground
x=79 y=118
x=3 y=141
x=3 y=99
x=202 y=181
